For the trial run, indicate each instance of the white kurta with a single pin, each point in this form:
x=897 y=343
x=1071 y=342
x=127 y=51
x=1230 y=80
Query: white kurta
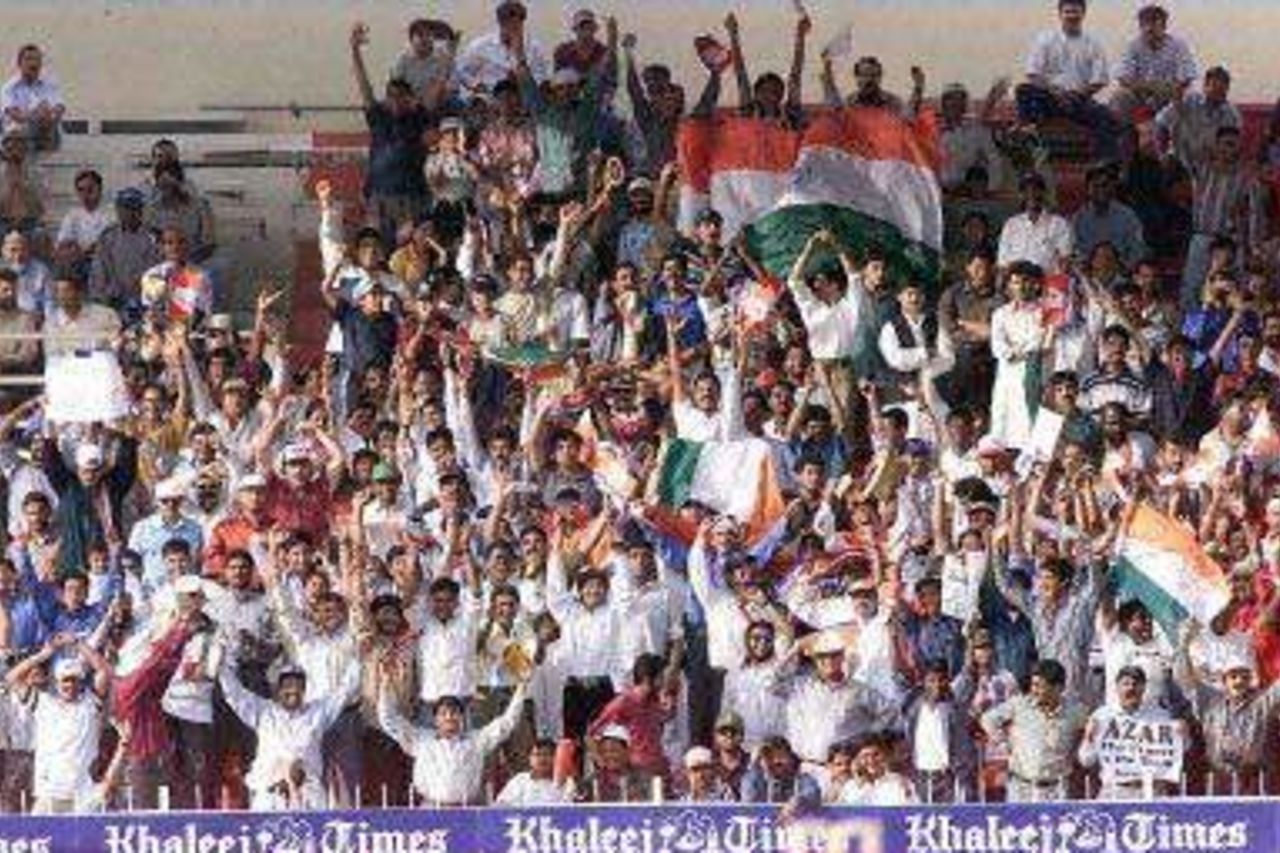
x=1017 y=332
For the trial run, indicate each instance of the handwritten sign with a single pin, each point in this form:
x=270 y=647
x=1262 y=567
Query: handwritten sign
x=1136 y=747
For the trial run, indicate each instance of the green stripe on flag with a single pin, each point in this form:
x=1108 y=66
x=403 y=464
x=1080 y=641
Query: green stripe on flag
x=1131 y=582
x=679 y=468
x=777 y=239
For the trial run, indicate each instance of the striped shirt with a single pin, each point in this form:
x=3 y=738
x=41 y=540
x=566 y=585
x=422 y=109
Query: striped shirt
x=1228 y=201
x=1126 y=387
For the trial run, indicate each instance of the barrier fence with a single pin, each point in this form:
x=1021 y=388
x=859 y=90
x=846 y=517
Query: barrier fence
x=1174 y=826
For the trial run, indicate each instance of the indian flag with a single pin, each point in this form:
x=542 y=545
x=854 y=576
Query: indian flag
x=1161 y=564
x=736 y=478
x=866 y=174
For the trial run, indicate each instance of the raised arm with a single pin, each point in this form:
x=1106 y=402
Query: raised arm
x=745 y=98
x=795 y=79
x=248 y=706
x=360 y=38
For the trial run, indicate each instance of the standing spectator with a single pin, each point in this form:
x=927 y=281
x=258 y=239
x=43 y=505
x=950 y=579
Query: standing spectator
x=1126 y=712
x=1044 y=732
x=657 y=105
x=394 y=188
x=67 y=724
x=964 y=313
x=1018 y=337
x=31 y=103
x=1066 y=69
x=288 y=769
x=1227 y=201
x=1188 y=127
x=1156 y=68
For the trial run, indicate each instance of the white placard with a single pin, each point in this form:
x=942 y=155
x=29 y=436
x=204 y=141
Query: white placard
x=84 y=388
x=961 y=581
x=1044 y=440
x=1132 y=748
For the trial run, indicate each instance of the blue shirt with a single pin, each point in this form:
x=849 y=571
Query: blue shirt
x=149 y=536
x=694 y=331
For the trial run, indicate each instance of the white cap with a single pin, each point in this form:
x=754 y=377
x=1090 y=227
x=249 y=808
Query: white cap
x=251 y=481
x=698 y=756
x=828 y=643
x=68 y=668
x=88 y=456
x=615 y=732
x=189 y=585
x=1238 y=658
x=990 y=445
x=295 y=451
x=170 y=489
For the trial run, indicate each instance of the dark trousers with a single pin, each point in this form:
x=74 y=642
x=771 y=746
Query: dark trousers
x=1036 y=103
x=387 y=771
x=194 y=746
x=584 y=699
x=342 y=758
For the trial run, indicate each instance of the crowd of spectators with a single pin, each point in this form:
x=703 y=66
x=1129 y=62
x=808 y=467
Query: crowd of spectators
x=401 y=574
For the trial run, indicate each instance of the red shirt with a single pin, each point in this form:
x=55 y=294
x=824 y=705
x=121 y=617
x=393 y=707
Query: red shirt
x=643 y=718
x=233 y=533
x=301 y=509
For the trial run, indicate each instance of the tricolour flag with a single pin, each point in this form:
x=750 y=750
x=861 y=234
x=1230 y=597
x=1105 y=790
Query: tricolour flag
x=1161 y=564
x=866 y=174
x=737 y=478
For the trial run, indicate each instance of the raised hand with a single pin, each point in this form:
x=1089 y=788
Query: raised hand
x=359 y=35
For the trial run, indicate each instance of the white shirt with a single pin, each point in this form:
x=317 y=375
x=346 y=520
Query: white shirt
x=524 y=790
x=1171 y=62
x=747 y=692
x=891 y=789
x=66 y=745
x=568 y=318
x=189 y=695
x=820 y=713
x=327 y=659
x=447 y=653
x=723 y=424
x=1154 y=657
x=1043 y=241
x=1069 y=62
x=284 y=736
x=967 y=145
x=84 y=227
x=449 y=770
x=486 y=61
x=930 y=747
x=26 y=97
x=910 y=359
x=833 y=327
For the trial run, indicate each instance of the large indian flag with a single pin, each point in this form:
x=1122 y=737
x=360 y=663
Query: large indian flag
x=737 y=478
x=866 y=174
x=1162 y=565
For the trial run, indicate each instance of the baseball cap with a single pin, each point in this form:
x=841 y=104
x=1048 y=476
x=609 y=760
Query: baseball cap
x=251 y=481
x=131 y=198
x=729 y=720
x=698 y=756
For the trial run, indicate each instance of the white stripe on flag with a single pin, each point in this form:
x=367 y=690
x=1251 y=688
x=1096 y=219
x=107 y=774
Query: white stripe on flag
x=893 y=191
x=1169 y=571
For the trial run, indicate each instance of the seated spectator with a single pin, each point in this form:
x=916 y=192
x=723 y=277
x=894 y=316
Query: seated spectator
x=493 y=57
x=125 y=250
x=82 y=226
x=31 y=103
x=22 y=195
x=1066 y=69
x=1105 y=220
x=1156 y=68
x=426 y=63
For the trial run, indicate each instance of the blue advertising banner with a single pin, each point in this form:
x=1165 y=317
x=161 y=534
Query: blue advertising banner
x=1183 y=826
